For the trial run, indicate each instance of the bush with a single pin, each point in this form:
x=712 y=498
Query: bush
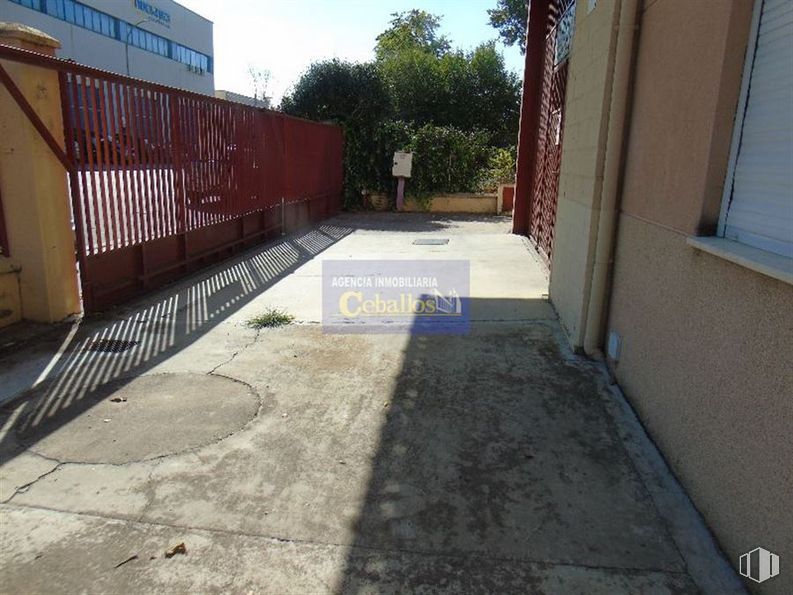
x=446 y=159
x=500 y=169
x=369 y=152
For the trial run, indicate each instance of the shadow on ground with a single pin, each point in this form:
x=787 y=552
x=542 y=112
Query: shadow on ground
x=101 y=354
x=498 y=469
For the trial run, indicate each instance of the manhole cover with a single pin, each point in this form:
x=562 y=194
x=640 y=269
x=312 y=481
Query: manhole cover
x=431 y=242
x=133 y=419
x=111 y=345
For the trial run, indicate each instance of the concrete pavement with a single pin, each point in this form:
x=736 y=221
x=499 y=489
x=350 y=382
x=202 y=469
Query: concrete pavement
x=292 y=461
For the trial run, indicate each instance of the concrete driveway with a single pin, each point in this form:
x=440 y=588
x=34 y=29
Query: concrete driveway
x=289 y=460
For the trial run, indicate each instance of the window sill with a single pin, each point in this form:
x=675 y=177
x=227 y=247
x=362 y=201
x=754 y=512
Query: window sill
x=766 y=263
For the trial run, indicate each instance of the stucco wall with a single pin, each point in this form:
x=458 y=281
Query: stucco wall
x=583 y=150
x=688 y=75
x=706 y=361
x=707 y=344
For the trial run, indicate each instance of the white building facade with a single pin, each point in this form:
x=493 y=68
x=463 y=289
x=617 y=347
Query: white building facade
x=155 y=40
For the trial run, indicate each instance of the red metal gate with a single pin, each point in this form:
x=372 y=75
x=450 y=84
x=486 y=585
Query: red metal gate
x=166 y=181
x=540 y=174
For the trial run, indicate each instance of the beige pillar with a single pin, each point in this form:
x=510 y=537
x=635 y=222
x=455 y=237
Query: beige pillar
x=34 y=187
x=594 y=115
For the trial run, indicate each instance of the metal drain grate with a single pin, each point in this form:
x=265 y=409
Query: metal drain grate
x=431 y=242
x=112 y=345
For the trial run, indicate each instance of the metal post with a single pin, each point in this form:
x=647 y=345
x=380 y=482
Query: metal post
x=530 y=114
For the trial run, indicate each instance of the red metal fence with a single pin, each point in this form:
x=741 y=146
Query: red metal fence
x=542 y=214
x=551 y=28
x=164 y=181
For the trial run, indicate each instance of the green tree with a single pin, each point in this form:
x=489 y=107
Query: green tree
x=495 y=104
x=339 y=91
x=355 y=96
x=472 y=91
x=448 y=106
x=509 y=19
x=412 y=30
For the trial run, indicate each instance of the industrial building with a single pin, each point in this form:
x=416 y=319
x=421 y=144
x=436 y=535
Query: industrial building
x=155 y=40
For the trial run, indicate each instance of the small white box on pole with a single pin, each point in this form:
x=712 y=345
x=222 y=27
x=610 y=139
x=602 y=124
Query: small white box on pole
x=403 y=164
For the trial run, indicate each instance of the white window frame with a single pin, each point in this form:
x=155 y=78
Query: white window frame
x=737 y=131
x=756 y=259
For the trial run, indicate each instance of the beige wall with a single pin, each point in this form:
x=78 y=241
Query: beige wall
x=586 y=116
x=706 y=361
x=707 y=344
x=688 y=76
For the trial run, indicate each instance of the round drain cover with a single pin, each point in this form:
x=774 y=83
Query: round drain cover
x=133 y=419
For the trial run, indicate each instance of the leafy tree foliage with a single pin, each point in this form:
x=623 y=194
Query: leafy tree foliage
x=339 y=91
x=509 y=18
x=447 y=106
x=412 y=30
x=500 y=168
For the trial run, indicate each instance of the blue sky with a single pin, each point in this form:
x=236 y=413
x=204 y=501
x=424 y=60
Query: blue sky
x=285 y=36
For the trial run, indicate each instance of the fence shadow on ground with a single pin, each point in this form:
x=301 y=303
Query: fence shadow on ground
x=129 y=341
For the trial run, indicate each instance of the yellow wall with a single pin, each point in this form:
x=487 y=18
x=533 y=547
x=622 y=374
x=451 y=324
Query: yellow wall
x=33 y=184
x=10 y=302
x=456 y=203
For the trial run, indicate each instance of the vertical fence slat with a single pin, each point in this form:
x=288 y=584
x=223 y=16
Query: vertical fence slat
x=102 y=159
x=90 y=187
x=176 y=162
x=133 y=172
x=115 y=199
x=157 y=164
x=146 y=160
x=138 y=158
x=123 y=135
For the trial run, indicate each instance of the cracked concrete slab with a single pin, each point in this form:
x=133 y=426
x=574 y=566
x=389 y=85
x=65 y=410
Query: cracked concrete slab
x=45 y=546
x=289 y=460
x=138 y=418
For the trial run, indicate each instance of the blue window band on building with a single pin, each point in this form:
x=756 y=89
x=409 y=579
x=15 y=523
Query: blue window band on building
x=99 y=22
